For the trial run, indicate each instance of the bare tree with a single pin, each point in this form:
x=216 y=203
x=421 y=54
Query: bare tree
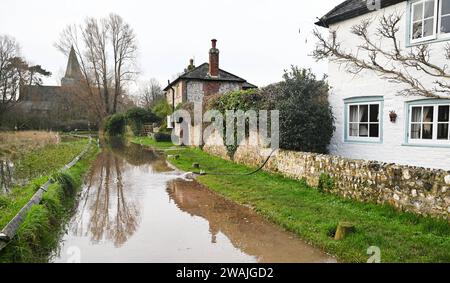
x=124 y=46
x=107 y=52
x=149 y=92
x=15 y=73
x=383 y=54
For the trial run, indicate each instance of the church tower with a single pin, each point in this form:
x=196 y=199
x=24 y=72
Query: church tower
x=73 y=70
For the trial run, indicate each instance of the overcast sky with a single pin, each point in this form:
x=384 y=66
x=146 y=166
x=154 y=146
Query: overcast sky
x=257 y=39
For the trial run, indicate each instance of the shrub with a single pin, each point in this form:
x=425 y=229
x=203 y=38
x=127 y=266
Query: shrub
x=115 y=125
x=162 y=137
x=306 y=118
x=326 y=183
x=137 y=117
x=162 y=109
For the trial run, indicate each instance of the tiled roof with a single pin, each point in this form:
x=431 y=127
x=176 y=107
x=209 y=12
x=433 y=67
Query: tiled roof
x=201 y=73
x=350 y=9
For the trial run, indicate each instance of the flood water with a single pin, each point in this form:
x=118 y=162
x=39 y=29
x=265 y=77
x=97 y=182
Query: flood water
x=135 y=208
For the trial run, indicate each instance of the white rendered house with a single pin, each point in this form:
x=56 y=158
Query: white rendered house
x=420 y=135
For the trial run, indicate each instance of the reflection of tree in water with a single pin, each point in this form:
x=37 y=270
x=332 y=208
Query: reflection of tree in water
x=111 y=215
x=6 y=176
x=137 y=155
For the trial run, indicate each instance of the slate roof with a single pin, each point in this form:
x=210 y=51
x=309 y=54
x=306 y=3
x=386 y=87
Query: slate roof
x=200 y=73
x=350 y=9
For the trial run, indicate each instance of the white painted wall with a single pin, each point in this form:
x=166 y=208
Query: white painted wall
x=345 y=85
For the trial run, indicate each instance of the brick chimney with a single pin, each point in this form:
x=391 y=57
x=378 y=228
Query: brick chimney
x=214 y=59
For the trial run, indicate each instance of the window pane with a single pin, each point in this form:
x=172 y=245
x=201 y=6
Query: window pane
x=363 y=130
x=443 y=132
x=417 y=30
x=429 y=9
x=427 y=132
x=445 y=24
x=417 y=12
x=374 y=131
x=416 y=131
x=364 y=113
x=445 y=7
x=374 y=113
x=428 y=29
x=428 y=113
x=353 y=130
x=444 y=113
x=353 y=113
x=416 y=114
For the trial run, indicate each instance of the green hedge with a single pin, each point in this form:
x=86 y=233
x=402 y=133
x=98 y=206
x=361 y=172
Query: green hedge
x=115 y=125
x=137 y=117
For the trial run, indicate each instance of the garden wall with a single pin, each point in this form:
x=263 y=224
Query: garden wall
x=414 y=189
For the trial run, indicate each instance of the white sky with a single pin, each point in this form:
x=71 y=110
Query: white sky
x=258 y=39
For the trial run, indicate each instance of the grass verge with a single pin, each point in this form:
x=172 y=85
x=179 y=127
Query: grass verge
x=39 y=234
x=314 y=216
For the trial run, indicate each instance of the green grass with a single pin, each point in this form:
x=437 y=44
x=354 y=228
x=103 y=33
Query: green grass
x=39 y=234
x=47 y=159
x=151 y=142
x=313 y=216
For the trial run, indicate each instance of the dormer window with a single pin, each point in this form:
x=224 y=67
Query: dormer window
x=430 y=20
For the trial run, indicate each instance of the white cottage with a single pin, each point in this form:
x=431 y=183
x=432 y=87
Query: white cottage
x=362 y=103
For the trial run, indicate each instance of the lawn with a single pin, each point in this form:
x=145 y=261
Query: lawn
x=19 y=143
x=39 y=233
x=313 y=216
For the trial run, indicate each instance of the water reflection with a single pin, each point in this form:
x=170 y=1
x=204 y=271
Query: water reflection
x=6 y=176
x=246 y=230
x=134 y=208
x=108 y=204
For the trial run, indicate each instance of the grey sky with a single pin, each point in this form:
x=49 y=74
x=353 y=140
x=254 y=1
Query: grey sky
x=257 y=38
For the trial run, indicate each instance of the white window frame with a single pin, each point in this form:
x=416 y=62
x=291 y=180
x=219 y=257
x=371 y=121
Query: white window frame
x=434 y=140
x=441 y=34
x=364 y=139
x=436 y=22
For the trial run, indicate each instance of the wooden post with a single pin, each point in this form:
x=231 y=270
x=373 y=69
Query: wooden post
x=343 y=229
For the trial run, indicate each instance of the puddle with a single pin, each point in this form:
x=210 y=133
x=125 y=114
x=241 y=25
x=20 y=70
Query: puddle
x=135 y=208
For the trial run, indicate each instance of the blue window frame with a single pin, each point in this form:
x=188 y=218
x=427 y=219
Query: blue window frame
x=363 y=119
x=428 y=123
x=428 y=21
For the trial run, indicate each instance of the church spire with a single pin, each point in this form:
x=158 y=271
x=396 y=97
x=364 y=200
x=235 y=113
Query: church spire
x=73 y=70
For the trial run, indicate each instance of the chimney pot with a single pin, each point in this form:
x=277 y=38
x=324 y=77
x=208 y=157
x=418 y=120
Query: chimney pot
x=214 y=59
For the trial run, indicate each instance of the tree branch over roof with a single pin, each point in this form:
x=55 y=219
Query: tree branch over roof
x=389 y=61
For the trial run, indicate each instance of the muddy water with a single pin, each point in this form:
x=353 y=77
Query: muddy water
x=135 y=208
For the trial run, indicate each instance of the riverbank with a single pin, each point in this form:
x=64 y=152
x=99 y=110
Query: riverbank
x=39 y=234
x=313 y=216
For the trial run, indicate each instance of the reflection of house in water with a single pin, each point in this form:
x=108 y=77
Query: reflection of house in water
x=245 y=229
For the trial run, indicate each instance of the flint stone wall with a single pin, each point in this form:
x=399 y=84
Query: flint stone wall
x=414 y=189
